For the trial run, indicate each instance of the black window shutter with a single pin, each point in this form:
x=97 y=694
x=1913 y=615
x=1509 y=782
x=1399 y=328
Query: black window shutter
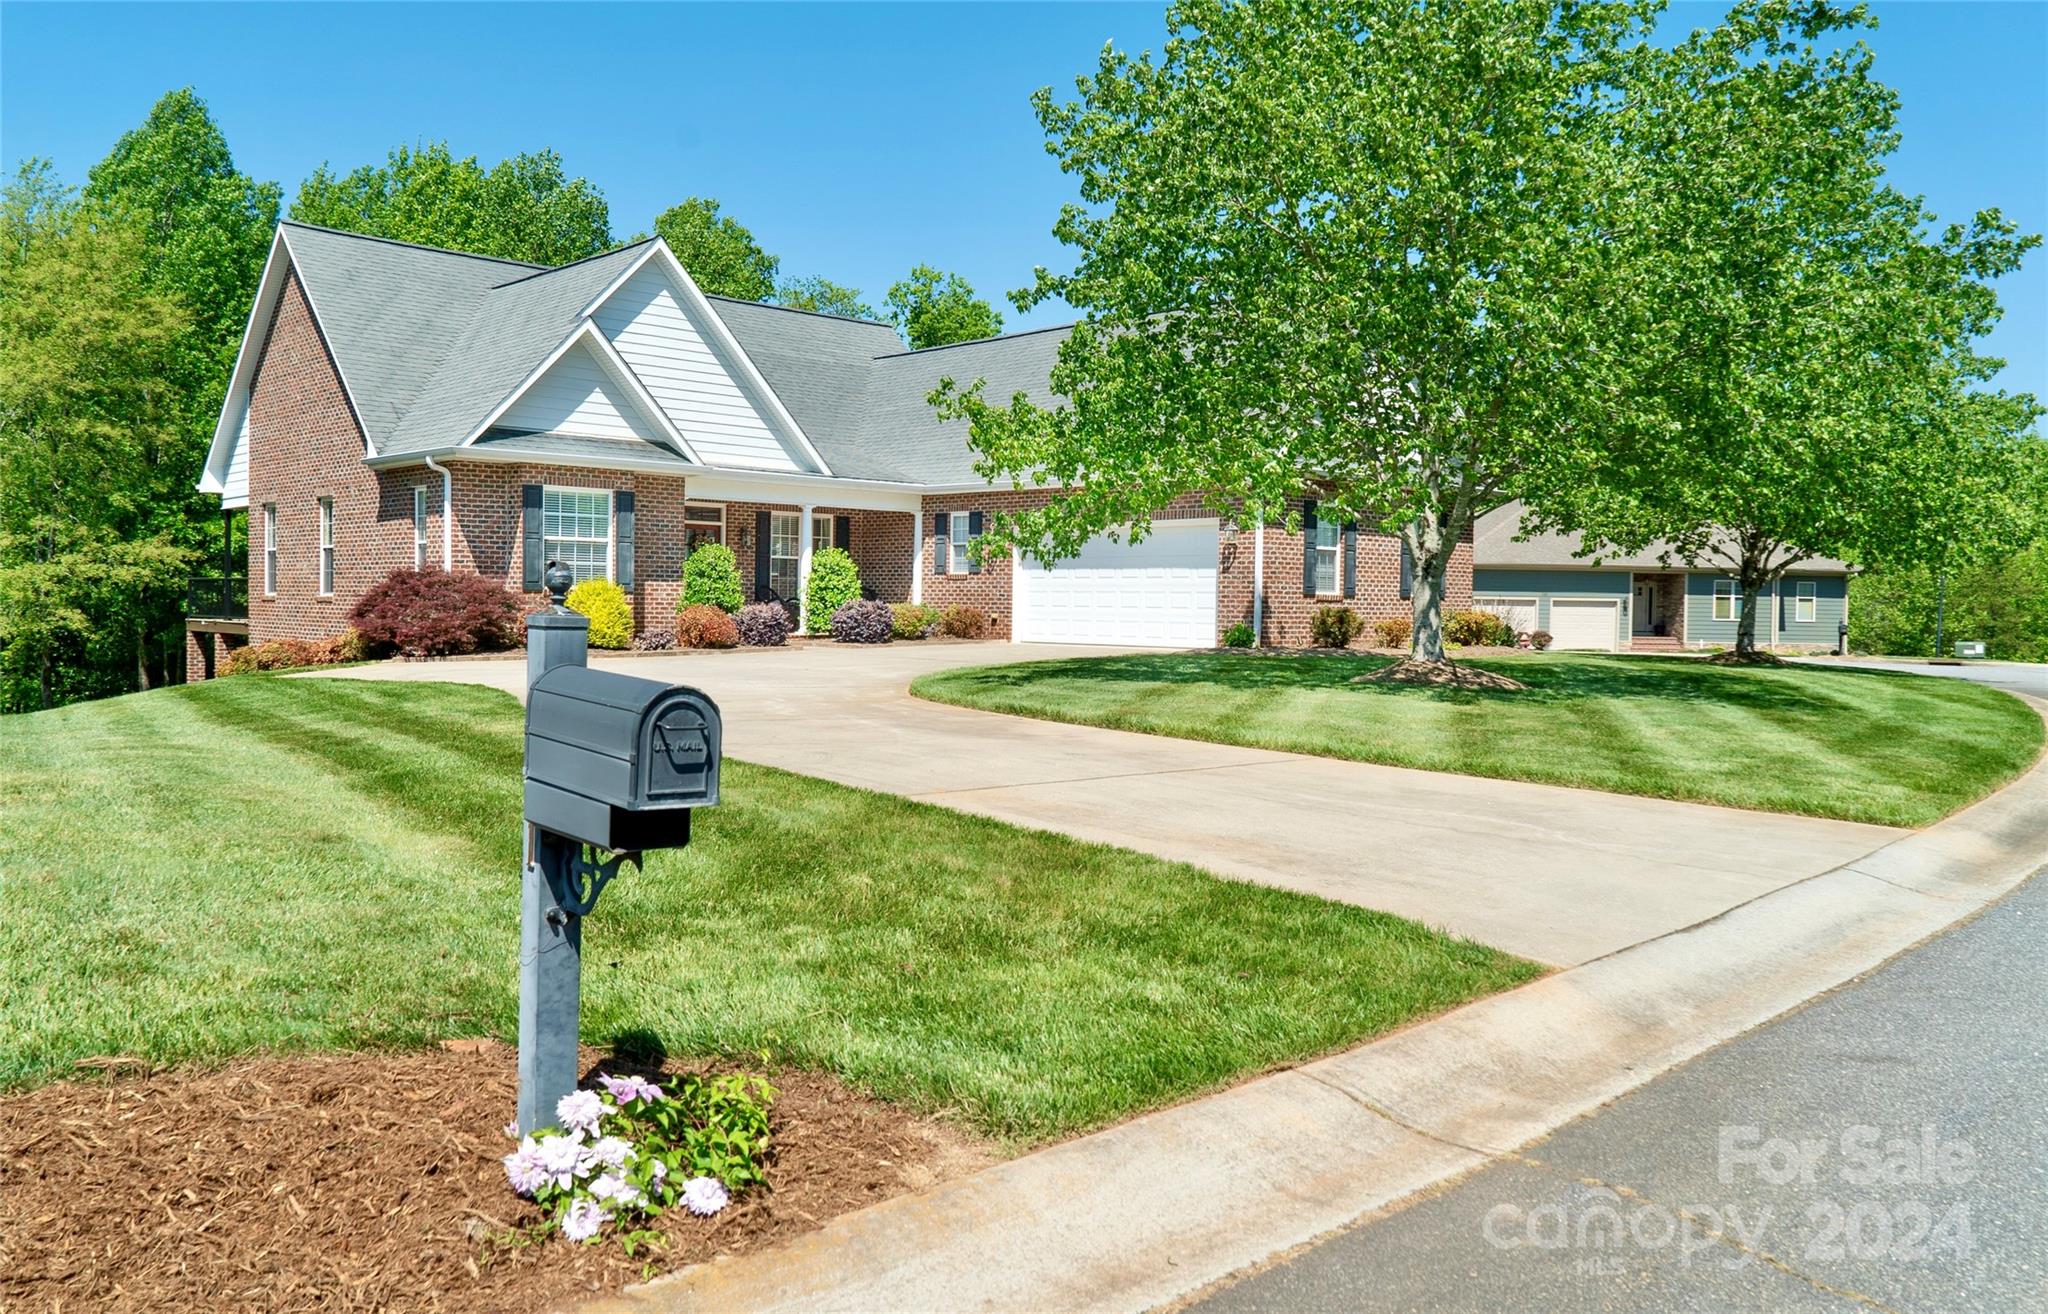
x=1351 y=558
x=940 y=522
x=973 y=532
x=622 y=530
x=1407 y=571
x=842 y=532
x=529 y=503
x=1308 y=548
x=760 y=556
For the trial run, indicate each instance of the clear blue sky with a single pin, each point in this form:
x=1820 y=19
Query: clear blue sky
x=853 y=139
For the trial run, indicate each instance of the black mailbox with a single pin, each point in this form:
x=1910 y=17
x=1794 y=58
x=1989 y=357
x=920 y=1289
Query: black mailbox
x=616 y=761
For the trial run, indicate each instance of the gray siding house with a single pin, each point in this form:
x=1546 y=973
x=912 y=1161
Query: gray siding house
x=1645 y=602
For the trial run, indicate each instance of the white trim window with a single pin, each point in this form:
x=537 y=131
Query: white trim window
x=419 y=527
x=270 y=549
x=326 y=547
x=1805 y=601
x=1328 y=548
x=1727 y=600
x=576 y=530
x=821 y=533
x=784 y=529
x=960 y=543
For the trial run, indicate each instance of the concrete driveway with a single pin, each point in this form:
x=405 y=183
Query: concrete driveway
x=1559 y=875
x=2015 y=677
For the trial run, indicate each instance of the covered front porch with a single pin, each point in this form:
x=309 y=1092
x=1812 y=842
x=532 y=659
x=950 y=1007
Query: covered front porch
x=1657 y=611
x=775 y=538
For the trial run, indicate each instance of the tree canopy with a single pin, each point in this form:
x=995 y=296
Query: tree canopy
x=525 y=207
x=1804 y=332
x=932 y=308
x=1362 y=245
x=719 y=252
x=821 y=294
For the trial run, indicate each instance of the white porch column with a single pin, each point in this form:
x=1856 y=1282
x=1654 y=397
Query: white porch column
x=917 y=556
x=803 y=568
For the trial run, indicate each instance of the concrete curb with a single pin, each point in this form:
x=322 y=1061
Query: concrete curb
x=1152 y=1210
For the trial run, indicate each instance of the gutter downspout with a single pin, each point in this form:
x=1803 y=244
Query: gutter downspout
x=1259 y=581
x=447 y=512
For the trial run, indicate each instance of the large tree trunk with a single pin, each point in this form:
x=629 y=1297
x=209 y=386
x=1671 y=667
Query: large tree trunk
x=1430 y=548
x=1753 y=575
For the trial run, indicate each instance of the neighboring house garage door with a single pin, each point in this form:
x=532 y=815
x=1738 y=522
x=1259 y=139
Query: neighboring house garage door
x=1583 y=623
x=1160 y=593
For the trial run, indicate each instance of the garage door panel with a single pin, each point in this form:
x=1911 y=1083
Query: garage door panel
x=1584 y=624
x=1158 y=593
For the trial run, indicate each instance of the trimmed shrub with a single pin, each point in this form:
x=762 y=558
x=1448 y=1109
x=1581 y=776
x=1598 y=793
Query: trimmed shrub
x=1393 y=632
x=962 y=622
x=706 y=626
x=284 y=654
x=835 y=581
x=912 y=620
x=1477 y=627
x=861 y=621
x=655 y=641
x=436 y=613
x=1539 y=639
x=763 y=625
x=711 y=578
x=1334 y=627
x=1240 y=636
x=611 y=616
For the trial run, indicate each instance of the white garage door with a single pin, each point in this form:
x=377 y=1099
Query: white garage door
x=1517 y=612
x=1583 y=623
x=1160 y=593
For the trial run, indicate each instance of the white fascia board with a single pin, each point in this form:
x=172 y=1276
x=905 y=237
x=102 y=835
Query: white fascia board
x=213 y=478
x=701 y=309
x=623 y=374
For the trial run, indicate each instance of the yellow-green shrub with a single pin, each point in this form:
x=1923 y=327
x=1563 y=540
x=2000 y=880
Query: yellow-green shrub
x=611 y=616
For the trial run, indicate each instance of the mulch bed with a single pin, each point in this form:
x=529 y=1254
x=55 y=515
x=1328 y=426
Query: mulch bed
x=1442 y=675
x=373 y=1182
x=1733 y=658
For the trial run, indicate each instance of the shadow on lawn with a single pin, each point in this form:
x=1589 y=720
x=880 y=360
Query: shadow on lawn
x=1550 y=679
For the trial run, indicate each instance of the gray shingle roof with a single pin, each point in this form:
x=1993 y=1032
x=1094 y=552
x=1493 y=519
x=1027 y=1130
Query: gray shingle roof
x=1494 y=544
x=431 y=340
x=561 y=446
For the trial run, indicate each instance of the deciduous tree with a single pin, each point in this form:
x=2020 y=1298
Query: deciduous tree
x=821 y=294
x=719 y=252
x=932 y=308
x=525 y=207
x=1362 y=246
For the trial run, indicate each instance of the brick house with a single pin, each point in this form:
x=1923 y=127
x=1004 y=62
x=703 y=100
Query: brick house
x=398 y=405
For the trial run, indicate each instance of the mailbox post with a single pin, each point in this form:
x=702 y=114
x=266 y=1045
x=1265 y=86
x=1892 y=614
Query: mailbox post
x=614 y=766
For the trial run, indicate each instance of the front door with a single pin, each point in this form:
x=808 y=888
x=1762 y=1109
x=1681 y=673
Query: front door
x=1645 y=620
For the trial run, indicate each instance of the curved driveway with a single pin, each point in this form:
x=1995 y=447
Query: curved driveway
x=1559 y=875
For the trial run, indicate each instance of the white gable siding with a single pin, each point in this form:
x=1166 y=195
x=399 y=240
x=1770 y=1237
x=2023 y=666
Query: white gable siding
x=721 y=419
x=235 y=485
x=578 y=396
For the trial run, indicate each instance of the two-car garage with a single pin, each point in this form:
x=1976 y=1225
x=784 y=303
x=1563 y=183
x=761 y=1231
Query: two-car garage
x=1159 y=593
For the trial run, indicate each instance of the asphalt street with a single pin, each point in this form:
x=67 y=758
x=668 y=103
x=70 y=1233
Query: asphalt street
x=1884 y=1147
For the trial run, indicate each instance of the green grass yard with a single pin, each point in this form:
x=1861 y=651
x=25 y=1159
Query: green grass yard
x=268 y=864
x=1859 y=745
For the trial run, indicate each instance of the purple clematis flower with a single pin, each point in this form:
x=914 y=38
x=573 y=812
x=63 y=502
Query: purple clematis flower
x=523 y=1168
x=630 y=1087
x=581 y=1220
x=580 y=1111
x=705 y=1196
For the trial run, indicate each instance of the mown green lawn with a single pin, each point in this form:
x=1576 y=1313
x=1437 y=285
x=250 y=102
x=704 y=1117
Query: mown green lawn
x=270 y=864
x=1861 y=745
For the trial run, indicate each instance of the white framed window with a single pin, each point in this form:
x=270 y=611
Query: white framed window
x=326 y=547
x=1805 y=604
x=1328 y=546
x=270 y=549
x=419 y=527
x=959 y=541
x=703 y=522
x=1727 y=600
x=576 y=530
x=821 y=532
x=783 y=530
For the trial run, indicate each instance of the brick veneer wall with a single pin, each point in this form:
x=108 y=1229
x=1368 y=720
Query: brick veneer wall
x=304 y=444
x=490 y=529
x=880 y=542
x=1287 y=611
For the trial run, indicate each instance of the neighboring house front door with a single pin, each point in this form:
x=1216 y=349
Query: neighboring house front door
x=1644 y=620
